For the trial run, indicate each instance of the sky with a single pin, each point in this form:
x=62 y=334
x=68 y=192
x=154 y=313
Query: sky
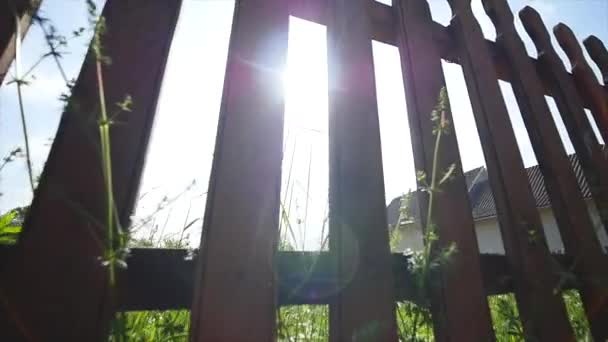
x=183 y=139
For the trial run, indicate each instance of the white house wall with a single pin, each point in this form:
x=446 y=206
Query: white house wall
x=489 y=238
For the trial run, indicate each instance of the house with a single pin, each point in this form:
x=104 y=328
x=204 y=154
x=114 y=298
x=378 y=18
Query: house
x=484 y=212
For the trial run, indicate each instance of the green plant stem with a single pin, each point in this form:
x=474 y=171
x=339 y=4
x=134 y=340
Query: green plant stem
x=307 y=200
x=19 y=83
x=54 y=53
x=415 y=325
x=402 y=319
x=430 y=227
x=106 y=156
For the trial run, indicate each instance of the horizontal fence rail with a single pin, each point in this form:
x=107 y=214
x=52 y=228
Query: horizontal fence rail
x=238 y=275
x=163 y=279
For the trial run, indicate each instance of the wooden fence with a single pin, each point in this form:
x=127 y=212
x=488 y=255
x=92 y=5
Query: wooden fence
x=53 y=288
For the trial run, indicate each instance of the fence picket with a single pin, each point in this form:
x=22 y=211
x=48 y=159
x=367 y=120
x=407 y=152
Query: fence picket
x=587 y=85
x=235 y=279
x=597 y=51
x=358 y=232
x=460 y=310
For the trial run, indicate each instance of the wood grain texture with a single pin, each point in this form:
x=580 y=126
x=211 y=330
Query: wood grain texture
x=460 y=309
x=593 y=160
x=363 y=309
x=586 y=83
x=55 y=288
x=542 y=313
x=575 y=225
x=236 y=273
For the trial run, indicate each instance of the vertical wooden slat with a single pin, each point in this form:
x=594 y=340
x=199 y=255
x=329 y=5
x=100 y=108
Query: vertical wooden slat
x=235 y=293
x=588 y=151
x=460 y=311
x=543 y=314
x=364 y=307
x=576 y=228
x=55 y=289
x=587 y=85
x=597 y=51
x=8 y=8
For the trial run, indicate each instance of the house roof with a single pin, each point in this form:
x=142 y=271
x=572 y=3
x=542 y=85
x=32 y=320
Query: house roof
x=480 y=193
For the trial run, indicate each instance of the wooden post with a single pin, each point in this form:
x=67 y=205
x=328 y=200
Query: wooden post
x=588 y=151
x=587 y=85
x=460 y=309
x=363 y=308
x=55 y=288
x=235 y=292
x=576 y=228
x=543 y=313
x=24 y=10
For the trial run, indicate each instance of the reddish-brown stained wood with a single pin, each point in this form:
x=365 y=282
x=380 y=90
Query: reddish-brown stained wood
x=588 y=151
x=576 y=227
x=460 y=309
x=311 y=10
x=358 y=232
x=235 y=273
x=162 y=279
x=599 y=54
x=587 y=85
x=543 y=313
x=55 y=288
x=384 y=28
x=8 y=9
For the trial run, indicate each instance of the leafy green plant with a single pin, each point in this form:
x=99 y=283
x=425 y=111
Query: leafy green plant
x=303 y=323
x=576 y=314
x=507 y=325
x=10 y=227
x=414 y=320
x=144 y=326
x=414 y=323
